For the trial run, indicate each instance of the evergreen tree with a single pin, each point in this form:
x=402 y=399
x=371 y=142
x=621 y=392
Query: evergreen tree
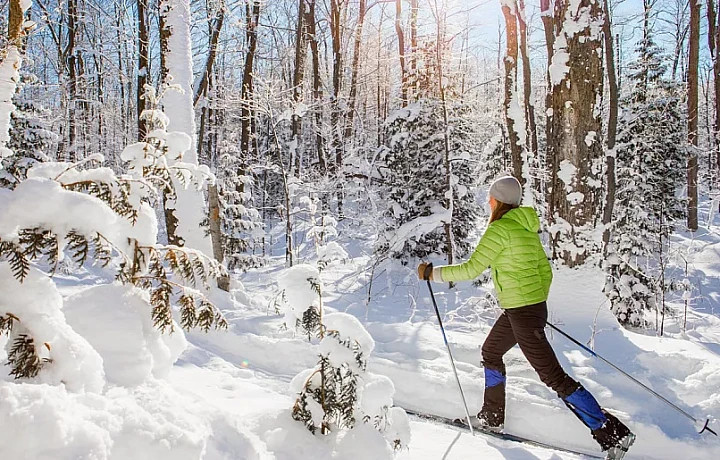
x=414 y=177
x=651 y=153
x=241 y=221
x=30 y=138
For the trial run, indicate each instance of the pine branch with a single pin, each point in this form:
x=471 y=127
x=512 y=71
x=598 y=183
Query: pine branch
x=23 y=358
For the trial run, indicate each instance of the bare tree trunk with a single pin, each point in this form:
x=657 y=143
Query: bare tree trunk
x=611 y=128
x=206 y=83
x=401 y=51
x=336 y=34
x=311 y=22
x=546 y=14
x=15 y=22
x=352 y=100
x=414 y=10
x=511 y=62
x=247 y=111
x=440 y=20
x=143 y=65
x=216 y=28
x=9 y=72
x=527 y=83
x=298 y=78
x=693 y=60
x=72 y=29
x=336 y=15
x=574 y=145
x=714 y=44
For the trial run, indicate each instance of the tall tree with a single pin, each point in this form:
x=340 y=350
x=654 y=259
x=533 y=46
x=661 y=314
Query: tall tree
x=574 y=144
x=401 y=52
x=352 y=98
x=514 y=118
x=713 y=16
x=614 y=95
x=650 y=146
x=301 y=35
x=9 y=71
x=143 y=73
x=184 y=214
x=527 y=81
x=692 y=103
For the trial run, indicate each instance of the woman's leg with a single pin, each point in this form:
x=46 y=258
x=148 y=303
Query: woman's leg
x=497 y=343
x=528 y=325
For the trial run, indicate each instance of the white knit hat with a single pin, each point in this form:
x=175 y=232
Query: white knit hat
x=507 y=190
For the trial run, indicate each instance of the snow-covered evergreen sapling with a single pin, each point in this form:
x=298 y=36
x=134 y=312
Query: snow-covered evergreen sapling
x=339 y=393
x=241 y=222
x=651 y=153
x=300 y=299
x=94 y=215
x=30 y=136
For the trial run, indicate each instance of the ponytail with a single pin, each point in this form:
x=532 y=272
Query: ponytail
x=500 y=210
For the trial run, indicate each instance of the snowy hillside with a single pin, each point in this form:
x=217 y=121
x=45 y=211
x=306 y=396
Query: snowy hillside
x=228 y=394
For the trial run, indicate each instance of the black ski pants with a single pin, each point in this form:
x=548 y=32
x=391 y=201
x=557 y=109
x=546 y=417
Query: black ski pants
x=524 y=326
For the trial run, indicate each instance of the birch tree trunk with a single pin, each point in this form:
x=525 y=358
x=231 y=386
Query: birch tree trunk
x=574 y=146
x=184 y=215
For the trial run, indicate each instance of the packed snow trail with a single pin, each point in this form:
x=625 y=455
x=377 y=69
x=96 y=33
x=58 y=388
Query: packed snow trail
x=228 y=396
x=410 y=351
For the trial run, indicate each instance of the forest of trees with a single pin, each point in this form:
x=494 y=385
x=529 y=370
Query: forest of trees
x=312 y=114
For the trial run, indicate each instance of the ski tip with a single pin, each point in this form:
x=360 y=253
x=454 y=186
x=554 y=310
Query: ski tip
x=707 y=428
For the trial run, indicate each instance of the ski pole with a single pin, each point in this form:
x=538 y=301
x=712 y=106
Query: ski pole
x=428 y=271
x=653 y=392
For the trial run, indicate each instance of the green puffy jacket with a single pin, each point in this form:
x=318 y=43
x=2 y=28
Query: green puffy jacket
x=520 y=268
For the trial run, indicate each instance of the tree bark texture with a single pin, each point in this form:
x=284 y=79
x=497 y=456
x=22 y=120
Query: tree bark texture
x=574 y=147
x=352 y=99
x=143 y=65
x=527 y=83
x=714 y=44
x=297 y=82
x=511 y=100
x=401 y=52
x=612 y=125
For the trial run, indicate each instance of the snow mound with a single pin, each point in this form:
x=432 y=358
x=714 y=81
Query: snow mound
x=116 y=320
x=37 y=304
x=350 y=328
x=300 y=295
x=148 y=422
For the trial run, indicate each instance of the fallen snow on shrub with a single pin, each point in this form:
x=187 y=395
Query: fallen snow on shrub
x=116 y=320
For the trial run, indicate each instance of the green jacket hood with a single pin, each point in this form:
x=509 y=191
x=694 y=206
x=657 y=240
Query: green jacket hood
x=525 y=216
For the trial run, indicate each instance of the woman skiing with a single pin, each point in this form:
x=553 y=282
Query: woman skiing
x=522 y=276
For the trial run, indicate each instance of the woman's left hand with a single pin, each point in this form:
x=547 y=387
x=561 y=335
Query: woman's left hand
x=425 y=271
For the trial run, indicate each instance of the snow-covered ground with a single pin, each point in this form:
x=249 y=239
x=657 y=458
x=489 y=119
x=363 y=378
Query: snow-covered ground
x=228 y=395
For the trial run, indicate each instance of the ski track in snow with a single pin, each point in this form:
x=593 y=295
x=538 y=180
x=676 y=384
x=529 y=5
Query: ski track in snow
x=237 y=381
